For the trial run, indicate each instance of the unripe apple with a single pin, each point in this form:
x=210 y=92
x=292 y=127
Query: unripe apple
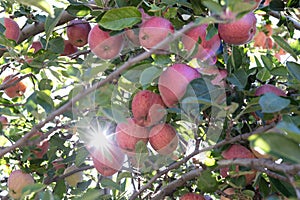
x=17 y=180
x=147 y=108
x=240 y=31
x=163 y=138
x=78 y=32
x=75 y=178
x=4 y=122
x=128 y=134
x=103 y=45
x=12 y=29
x=228 y=191
x=237 y=151
x=192 y=196
x=153 y=31
x=15 y=90
x=69 y=48
x=108 y=159
x=41 y=147
x=269 y=88
x=207 y=48
x=173 y=82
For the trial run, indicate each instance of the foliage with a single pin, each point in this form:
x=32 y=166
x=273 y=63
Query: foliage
x=71 y=98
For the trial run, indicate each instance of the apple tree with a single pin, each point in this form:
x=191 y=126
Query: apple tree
x=149 y=99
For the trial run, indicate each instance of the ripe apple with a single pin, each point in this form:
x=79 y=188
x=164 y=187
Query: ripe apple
x=228 y=191
x=75 y=178
x=237 y=151
x=78 y=32
x=42 y=147
x=36 y=46
x=173 y=82
x=4 y=122
x=15 y=90
x=240 y=31
x=163 y=138
x=69 y=48
x=17 y=180
x=153 y=31
x=128 y=134
x=12 y=30
x=269 y=88
x=108 y=159
x=147 y=108
x=103 y=45
x=192 y=196
x=207 y=48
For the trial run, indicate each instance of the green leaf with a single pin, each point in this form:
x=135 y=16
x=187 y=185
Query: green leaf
x=279 y=71
x=207 y=182
x=56 y=45
x=267 y=62
x=283 y=44
x=33 y=188
x=81 y=156
x=149 y=74
x=263 y=74
x=45 y=101
x=108 y=183
x=51 y=22
x=276 y=5
x=91 y=194
x=294 y=69
x=213 y=6
x=41 y=4
x=79 y=10
x=239 y=78
x=271 y=103
x=290 y=129
x=120 y=18
x=270 y=143
x=283 y=187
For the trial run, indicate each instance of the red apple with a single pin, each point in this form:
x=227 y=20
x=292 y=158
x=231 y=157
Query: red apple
x=15 y=90
x=17 y=180
x=163 y=138
x=103 y=45
x=78 y=32
x=69 y=48
x=128 y=134
x=148 y=108
x=42 y=147
x=173 y=82
x=153 y=31
x=36 y=46
x=239 y=31
x=269 y=88
x=237 y=151
x=108 y=159
x=192 y=196
x=12 y=30
x=207 y=48
x=4 y=122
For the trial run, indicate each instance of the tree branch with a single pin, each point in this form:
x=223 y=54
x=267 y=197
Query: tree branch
x=278 y=15
x=94 y=87
x=168 y=189
x=291 y=169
